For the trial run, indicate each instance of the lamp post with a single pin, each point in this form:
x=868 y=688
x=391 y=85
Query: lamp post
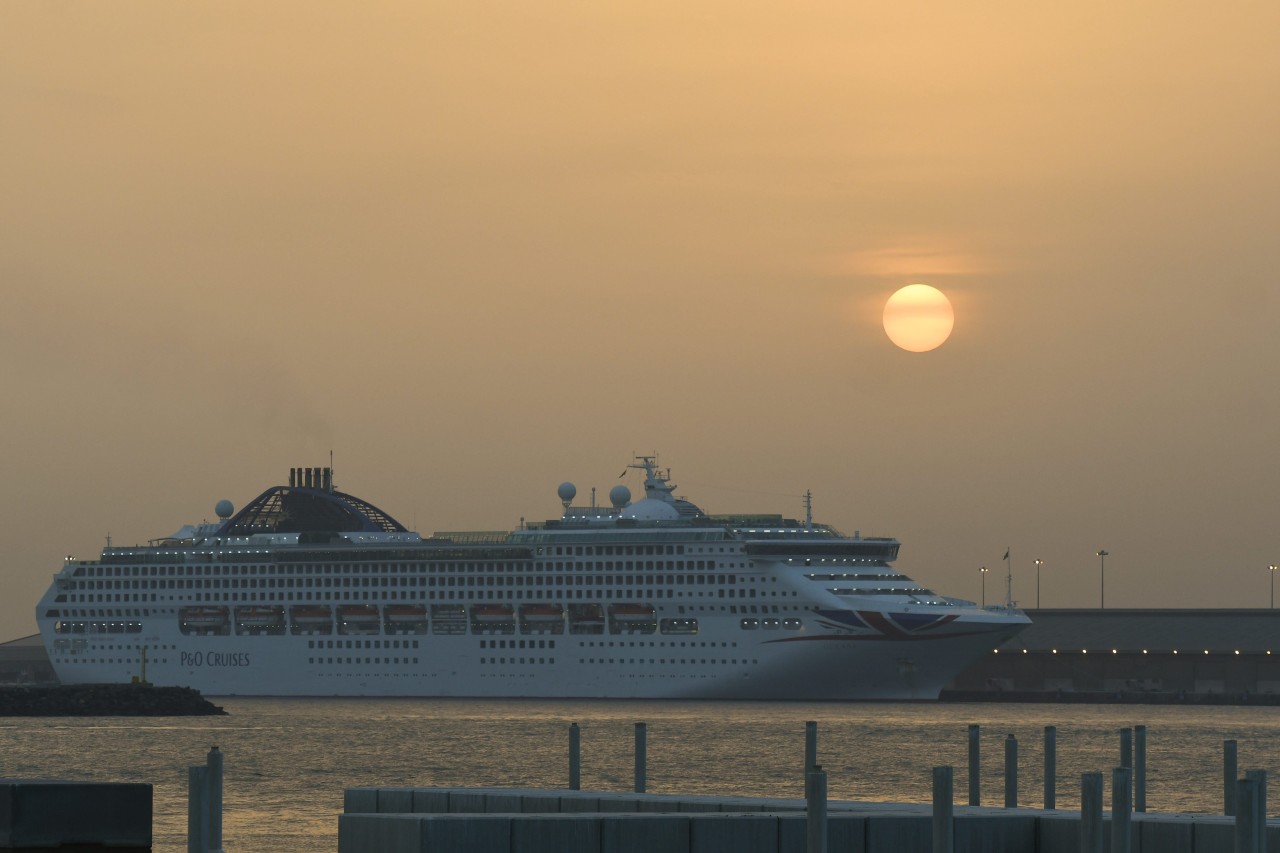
x=1273 y=585
x=1102 y=578
x=984 y=571
x=1039 y=563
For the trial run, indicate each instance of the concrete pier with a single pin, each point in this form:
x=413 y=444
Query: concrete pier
x=498 y=820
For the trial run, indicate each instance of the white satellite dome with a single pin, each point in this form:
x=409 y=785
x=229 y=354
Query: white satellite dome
x=224 y=509
x=619 y=496
x=651 y=509
x=567 y=492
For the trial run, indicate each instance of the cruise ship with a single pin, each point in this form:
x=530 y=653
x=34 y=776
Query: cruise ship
x=309 y=591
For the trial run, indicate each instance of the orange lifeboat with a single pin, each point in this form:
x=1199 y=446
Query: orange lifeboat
x=311 y=619
x=541 y=618
x=203 y=620
x=397 y=613
x=631 y=612
x=252 y=619
x=491 y=613
x=632 y=618
x=541 y=612
x=497 y=618
x=405 y=618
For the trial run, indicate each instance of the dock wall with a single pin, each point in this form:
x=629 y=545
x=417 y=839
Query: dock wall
x=507 y=820
x=40 y=814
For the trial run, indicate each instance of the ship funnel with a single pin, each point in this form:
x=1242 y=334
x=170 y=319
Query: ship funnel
x=311 y=478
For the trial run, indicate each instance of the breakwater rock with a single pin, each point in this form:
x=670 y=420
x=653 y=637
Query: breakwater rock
x=104 y=700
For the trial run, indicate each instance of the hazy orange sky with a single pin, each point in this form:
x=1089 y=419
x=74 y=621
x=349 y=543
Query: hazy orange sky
x=478 y=249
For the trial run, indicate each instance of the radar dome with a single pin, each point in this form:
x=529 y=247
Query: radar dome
x=619 y=496
x=567 y=491
x=651 y=509
x=224 y=509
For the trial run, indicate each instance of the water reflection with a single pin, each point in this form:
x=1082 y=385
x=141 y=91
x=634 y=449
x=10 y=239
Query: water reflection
x=288 y=760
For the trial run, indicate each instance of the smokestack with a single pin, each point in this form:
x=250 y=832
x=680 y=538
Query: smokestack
x=328 y=479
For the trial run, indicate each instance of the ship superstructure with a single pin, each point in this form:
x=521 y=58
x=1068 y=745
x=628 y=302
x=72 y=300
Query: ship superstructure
x=311 y=591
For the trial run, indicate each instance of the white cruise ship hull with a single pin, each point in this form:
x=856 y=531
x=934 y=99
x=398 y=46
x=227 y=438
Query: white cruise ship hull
x=716 y=664
x=646 y=605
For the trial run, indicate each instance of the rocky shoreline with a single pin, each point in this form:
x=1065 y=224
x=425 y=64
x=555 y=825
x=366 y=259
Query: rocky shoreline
x=104 y=700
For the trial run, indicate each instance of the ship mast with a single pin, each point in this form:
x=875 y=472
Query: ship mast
x=1008 y=580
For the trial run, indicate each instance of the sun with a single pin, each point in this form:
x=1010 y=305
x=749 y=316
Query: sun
x=918 y=318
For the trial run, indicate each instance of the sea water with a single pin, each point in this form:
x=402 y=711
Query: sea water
x=287 y=761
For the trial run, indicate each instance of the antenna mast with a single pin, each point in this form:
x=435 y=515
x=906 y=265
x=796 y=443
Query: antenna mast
x=1008 y=580
x=808 y=510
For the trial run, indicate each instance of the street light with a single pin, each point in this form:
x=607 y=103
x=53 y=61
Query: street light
x=1039 y=563
x=1102 y=572
x=984 y=571
x=1273 y=586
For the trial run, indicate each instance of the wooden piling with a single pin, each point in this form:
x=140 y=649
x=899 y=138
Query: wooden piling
x=1139 y=768
x=1229 y=777
x=816 y=811
x=575 y=757
x=943 y=810
x=214 y=762
x=1246 y=803
x=1259 y=779
x=1050 y=767
x=1010 y=772
x=975 y=765
x=1091 y=813
x=1121 y=810
x=642 y=757
x=810 y=752
x=198 y=809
